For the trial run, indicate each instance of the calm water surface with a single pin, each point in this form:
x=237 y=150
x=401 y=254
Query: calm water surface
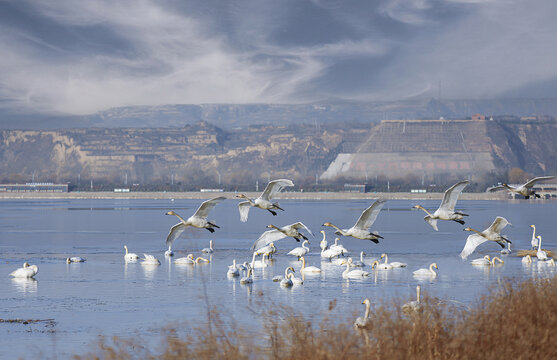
x=105 y=296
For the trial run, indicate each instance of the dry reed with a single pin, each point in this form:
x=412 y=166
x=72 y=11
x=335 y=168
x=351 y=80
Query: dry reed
x=516 y=321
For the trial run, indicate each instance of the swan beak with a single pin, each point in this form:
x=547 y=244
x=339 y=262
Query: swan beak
x=168 y=213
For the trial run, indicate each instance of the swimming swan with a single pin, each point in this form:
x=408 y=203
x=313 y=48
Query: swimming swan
x=233 y=269
x=524 y=189
x=308 y=269
x=492 y=233
x=395 y=264
x=287 y=280
x=486 y=261
x=210 y=249
x=277 y=233
x=198 y=220
x=27 y=271
x=360 y=230
x=540 y=254
x=353 y=274
x=413 y=306
x=534 y=241
x=185 y=260
x=323 y=242
x=130 y=257
x=339 y=247
x=446 y=209
x=426 y=272
x=381 y=266
x=248 y=279
x=150 y=260
x=74 y=259
x=527 y=259
x=365 y=321
x=264 y=200
x=300 y=250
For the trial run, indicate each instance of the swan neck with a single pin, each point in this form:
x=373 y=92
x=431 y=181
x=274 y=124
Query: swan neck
x=386 y=258
x=431 y=269
x=125 y=247
x=366 y=315
x=304 y=245
x=362 y=256
x=418 y=288
x=303 y=263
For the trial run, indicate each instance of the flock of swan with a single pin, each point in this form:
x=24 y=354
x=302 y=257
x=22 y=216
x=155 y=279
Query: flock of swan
x=354 y=269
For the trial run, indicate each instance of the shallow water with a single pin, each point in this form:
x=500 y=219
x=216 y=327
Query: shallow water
x=105 y=296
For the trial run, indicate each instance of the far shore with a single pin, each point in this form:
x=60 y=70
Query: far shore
x=231 y=195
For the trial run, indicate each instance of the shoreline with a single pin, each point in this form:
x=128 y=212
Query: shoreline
x=231 y=195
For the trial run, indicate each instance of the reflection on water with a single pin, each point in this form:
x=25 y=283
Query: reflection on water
x=25 y=285
x=147 y=297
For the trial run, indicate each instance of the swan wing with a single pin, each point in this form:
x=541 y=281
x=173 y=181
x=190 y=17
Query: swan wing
x=207 y=205
x=432 y=222
x=452 y=194
x=498 y=224
x=535 y=180
x=472 y=242
x=275 y=187
x=496 y=188
x=370 y=214
x=174 y=233
x=244 y=207
x=266 y=238
x=300 y=225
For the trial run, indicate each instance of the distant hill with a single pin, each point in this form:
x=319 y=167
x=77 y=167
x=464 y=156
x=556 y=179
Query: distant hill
x=230 y=116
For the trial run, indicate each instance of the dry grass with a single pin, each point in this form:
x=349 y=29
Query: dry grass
x=516 y=321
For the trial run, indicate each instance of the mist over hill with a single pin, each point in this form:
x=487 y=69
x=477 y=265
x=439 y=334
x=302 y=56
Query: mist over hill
x=230 y=116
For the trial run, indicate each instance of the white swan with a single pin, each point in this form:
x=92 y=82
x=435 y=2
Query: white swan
x=486 y=261
x=185 y=260
x=323 y=242
x=198 y=220
x=524 y=189
x=381 y=266
x=395 y=264
x=527 y=259
x=365 y=321
x=130 y=257
x=277 y=233
x=353 y=274
x=550 y=262
x=358 y=263
x=248 y=279
x=492 y=233
x=263 y=263
x=269 y=250
x=208 y=250
x=540 y=254
x=27 y=271
x=534 y=241
x=264 y=200
x=330 y=253
x=446 y=209
x=300 y=250
x=287 y=280
x=233 y=270
x=308 y=269
x=339 y=247
x=413 y=306
x=169 y=252
x=507 y=250
x=74 y=259
x=150 y=260
x=426 y=272
x=361 y=229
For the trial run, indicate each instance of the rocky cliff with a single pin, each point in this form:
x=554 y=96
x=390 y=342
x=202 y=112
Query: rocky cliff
x=202 y=152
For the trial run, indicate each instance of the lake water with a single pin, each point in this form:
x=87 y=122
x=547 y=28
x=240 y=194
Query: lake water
x=105 y=296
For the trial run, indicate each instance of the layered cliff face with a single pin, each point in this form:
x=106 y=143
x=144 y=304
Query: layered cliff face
x=200 y=151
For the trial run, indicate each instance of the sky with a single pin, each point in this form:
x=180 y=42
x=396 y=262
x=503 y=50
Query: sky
x=80 y=57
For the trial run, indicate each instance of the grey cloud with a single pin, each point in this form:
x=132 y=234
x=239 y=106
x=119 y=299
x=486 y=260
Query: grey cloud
x=81 y=57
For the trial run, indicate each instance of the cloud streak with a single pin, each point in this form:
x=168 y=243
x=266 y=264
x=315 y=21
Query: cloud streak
x=81 y=57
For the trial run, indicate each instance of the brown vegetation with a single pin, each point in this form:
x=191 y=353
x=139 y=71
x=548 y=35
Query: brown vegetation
x=516 y=321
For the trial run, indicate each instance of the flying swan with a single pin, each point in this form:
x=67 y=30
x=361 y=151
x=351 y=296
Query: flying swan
x=198 y=220
x=524 y=189
x=446 y=209
x=270 y=236
x=264 y=200
x=492 y=233
x=361 y=229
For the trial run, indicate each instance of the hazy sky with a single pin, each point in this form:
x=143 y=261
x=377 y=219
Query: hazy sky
x=82 y=56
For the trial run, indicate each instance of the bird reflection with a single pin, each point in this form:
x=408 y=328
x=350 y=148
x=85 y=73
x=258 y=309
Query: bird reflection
x=149 y=270
x=25 y=285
